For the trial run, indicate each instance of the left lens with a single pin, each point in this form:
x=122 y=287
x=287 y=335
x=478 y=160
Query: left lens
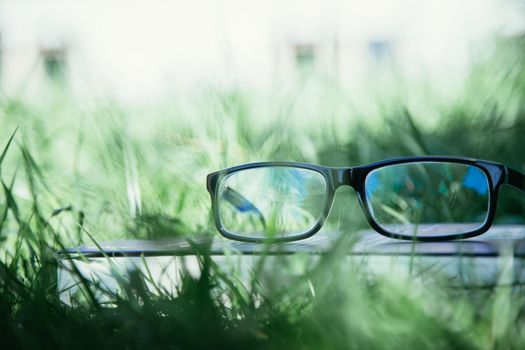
x=271 y=202
x=428 y=199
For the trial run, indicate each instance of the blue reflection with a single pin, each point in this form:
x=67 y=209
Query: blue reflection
x=299 y=177
x=476 y=180
x=391 y=180
x=236 y=199
x=290 y=181
x=242 y=204
x=372 y=182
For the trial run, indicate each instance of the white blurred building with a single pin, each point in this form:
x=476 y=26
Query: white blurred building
x=140 y=48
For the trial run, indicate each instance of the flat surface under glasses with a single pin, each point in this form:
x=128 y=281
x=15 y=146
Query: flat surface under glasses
x=499 y=240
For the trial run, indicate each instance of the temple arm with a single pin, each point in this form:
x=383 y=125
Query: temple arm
x=515 y=179
x=242 y=204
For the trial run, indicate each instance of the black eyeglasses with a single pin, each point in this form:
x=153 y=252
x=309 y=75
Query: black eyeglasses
x=427 y=198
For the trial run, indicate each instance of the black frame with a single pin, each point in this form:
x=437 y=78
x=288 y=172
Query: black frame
x=497 y=175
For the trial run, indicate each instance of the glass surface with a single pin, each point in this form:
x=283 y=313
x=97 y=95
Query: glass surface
x=271 y=202
x=428 y=199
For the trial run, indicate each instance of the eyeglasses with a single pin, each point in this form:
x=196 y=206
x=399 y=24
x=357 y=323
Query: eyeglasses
x=426 y=198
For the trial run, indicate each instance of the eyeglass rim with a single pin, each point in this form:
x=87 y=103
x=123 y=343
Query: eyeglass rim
x=497 y=174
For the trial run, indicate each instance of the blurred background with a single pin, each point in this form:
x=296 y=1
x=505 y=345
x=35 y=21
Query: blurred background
x=123 y=107
x=143 y=49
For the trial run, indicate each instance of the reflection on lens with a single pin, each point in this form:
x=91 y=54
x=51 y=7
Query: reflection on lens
x=271 y=202
x=429 y=199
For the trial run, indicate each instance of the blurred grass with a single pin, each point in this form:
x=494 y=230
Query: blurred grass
x=120 y=171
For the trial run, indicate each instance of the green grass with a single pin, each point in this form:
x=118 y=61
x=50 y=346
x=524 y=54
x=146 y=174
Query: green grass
x=77 y=169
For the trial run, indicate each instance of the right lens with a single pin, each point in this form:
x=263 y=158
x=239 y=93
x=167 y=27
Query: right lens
x=271 y=202
x=428 y=199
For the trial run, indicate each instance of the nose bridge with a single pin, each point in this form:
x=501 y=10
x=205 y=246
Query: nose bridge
x=343 y=177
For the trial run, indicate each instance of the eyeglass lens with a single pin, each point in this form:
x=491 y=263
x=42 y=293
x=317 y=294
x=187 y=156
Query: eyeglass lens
x=271 y=201
x=428 y=199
